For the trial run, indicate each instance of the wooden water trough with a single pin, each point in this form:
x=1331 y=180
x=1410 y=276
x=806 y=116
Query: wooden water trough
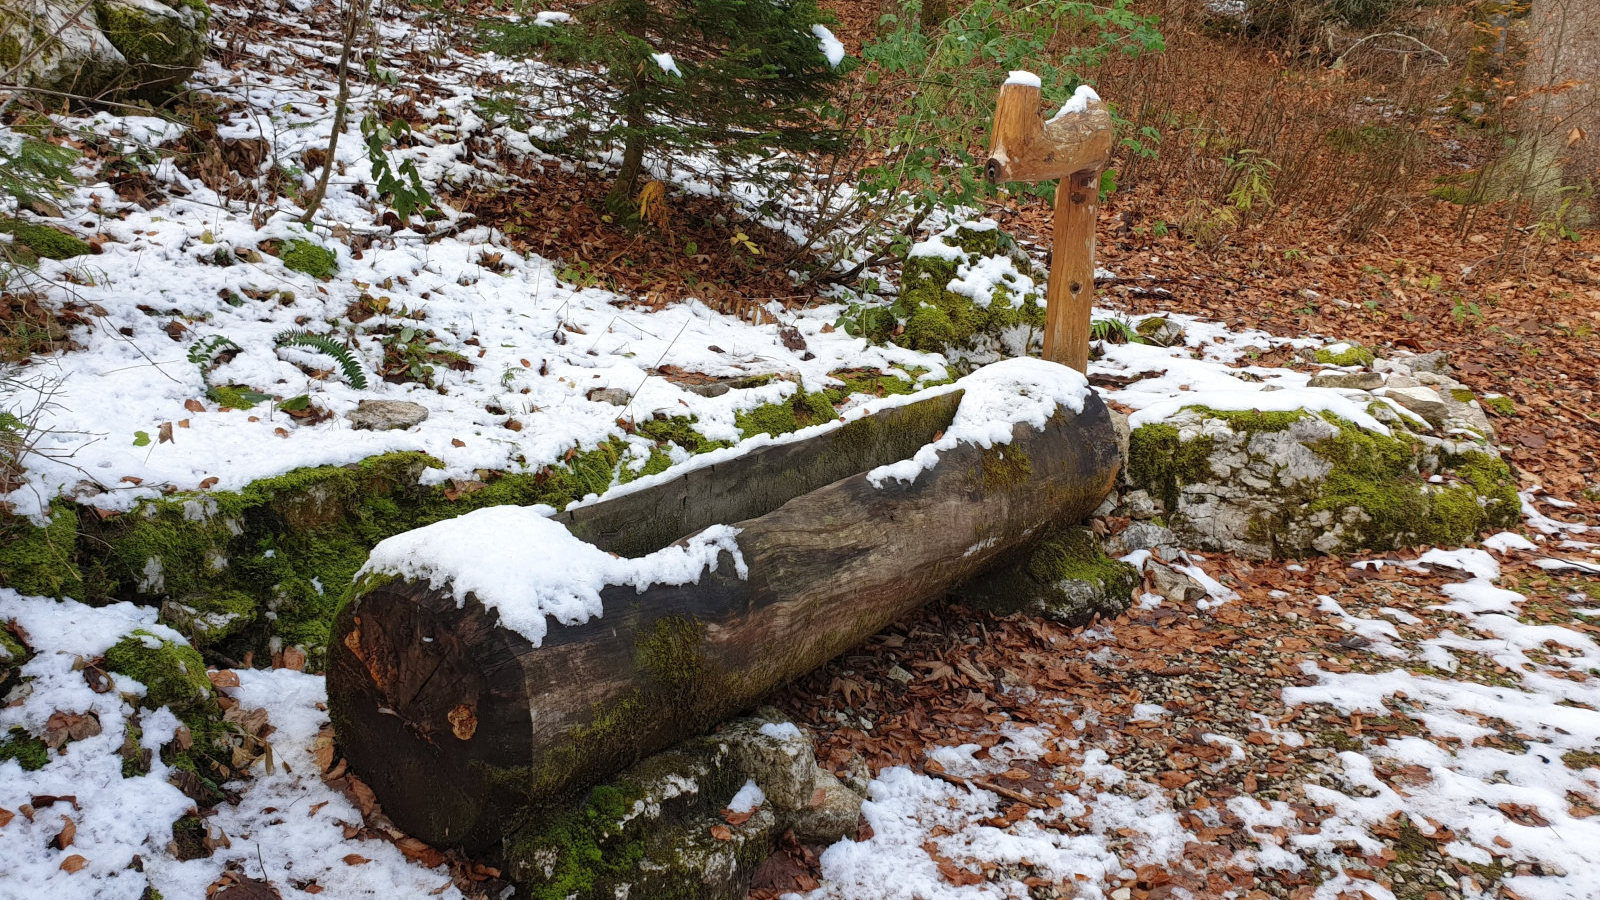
x=457 y=721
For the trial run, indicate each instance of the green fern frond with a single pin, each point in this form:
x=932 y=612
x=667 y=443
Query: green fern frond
x=205 y=351
x=322 y=343
x=1114 y=330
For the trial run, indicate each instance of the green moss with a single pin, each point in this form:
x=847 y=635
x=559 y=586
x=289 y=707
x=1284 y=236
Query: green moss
x=135 y=759
x=41 y=561
x=871 y=382
x=1462 y=395
x=189 y=838
x=1004 y=468
x=235 y=396
x=44 y=242
x=161 y=50
x=800 y=410
x=1502 y=405
x=1160 y=462
x=1252 y=421
x=1352 y=355
x=931 y=329
x=30 y=752
x=173 y=674
x=576 y=853
x=1073 y=554
x=1581 y=759
x=1378 y=474
x=304 y=256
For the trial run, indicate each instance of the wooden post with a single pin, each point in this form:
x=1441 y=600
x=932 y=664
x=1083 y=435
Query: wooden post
x=1072 y=146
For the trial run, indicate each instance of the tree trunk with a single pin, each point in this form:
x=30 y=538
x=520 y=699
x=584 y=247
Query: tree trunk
x=456 y=723
x=1561 y=109
x=620 y=200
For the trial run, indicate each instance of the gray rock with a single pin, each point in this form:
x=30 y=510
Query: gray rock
x=1065 y=577
x=1119 y=423
x=386 y=415
x=1269 y=487
x=1147 y=536
x=1402 y=380
x=1161 y=331
x=141 y=48
x=1139 y=504
x=1357 y=381
x=669 y=810
x=1172 y=585
x=613 y=396
x=1465 y=413
x=1425 y=402
x=830 y=814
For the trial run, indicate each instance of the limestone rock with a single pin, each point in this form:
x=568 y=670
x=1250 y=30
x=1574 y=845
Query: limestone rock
x=1423 y=401
x=1065 y=577
x=613 y=396
x=1161 y=331
x=1172 y=585
x=140 y=48
x=659 y=829
x=162 y=43
x=1119 y=423
x=1288 y=484
x=1358 y=381
x=1143 y=536
x=386 y=415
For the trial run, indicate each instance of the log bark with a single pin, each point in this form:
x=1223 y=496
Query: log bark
x=460 y=726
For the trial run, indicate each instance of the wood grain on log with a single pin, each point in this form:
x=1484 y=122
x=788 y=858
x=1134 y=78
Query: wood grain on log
x=456 y=722
x=1024 y=147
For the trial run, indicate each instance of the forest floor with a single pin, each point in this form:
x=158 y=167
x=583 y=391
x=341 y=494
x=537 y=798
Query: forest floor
x=1420 y=725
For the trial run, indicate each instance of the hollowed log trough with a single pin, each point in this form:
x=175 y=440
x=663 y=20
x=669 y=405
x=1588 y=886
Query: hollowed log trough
x=460 y=724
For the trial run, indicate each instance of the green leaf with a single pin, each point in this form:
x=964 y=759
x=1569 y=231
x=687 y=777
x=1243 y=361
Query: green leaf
x=141 y=438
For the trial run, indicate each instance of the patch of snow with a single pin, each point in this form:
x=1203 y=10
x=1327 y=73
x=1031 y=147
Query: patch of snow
x=1027 y=79
x=748 y=798
x=518 y=562
x=831 y=46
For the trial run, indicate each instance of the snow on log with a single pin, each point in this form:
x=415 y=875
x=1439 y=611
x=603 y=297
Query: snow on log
x=505 y=659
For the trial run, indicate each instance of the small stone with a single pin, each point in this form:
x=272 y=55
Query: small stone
x=1148 y=536
x=1140 y=505
x=1122 y=893
x=1173 y=585
x=900 y=675
x=1425 y=402
x=1399 y=380
x=386 y=415
x=613 y=396
x=1358 y=381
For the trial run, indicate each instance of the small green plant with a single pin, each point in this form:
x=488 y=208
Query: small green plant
x=1159 y=228
x=1463 y=311
x=1114 y=330
x=400 y=185
x=579 y=273
x=1251 y=177
x=409 y=354
x=324 y=344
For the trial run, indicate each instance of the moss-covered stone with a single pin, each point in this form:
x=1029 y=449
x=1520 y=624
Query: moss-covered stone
x=1065 y=577
x=173 y=674
x=163 y=43
x=931 y=317
x=801 y=409
x=30 y=752
x=1344 y=354
x=43 y=241
x=1161 y=462
x=871 y=382
x=1288 y=483
x=1502 y=405
x=41 y=561
x=304 y=256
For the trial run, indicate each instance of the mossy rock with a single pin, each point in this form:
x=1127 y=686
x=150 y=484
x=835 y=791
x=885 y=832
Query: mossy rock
x=173 y=674
x=1288 y=484
x=304 y=256
x=965 y=324
x=1344 y=354
x=1065 y=577
x=162 y=43
x=53 y=54
x=40 y=561
x=37 y=241
x=801 y=409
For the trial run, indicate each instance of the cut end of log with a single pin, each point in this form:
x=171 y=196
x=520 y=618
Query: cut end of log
x=1023 y=146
